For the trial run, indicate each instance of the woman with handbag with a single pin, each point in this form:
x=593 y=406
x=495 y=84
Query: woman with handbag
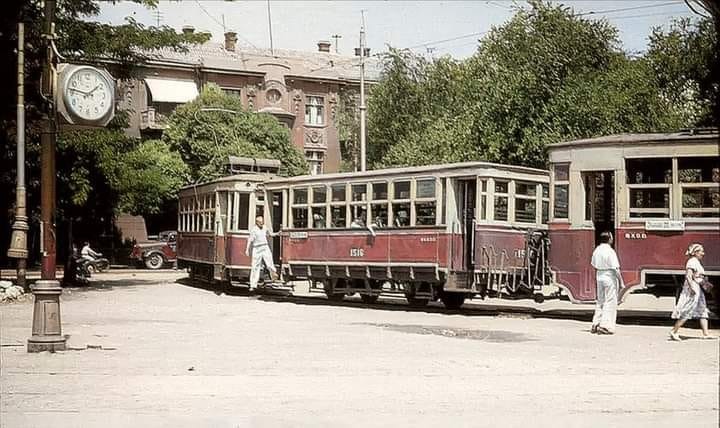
x=691 y=304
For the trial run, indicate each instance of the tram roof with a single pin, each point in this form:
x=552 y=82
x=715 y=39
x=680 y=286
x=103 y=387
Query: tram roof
x=244 y=176
x=412 y=170
x=638 y=139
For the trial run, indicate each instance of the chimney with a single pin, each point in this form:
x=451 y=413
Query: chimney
x=323 y=46
x=230 y=41
x=188 y=29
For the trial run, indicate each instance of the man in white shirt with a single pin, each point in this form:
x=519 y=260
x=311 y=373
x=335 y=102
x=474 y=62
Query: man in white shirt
x=609 y=280
x=258 y=243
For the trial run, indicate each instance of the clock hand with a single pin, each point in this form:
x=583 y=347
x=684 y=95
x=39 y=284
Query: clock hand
x=78 y=90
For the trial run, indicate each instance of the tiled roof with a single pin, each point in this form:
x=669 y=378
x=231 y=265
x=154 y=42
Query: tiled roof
x=319 y=65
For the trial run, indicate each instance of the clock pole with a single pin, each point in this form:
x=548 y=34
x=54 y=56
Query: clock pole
x=46 y=327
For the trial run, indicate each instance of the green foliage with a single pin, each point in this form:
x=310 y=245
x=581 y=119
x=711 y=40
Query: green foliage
x=544 y=77
x=205 y=139
x=684 y=60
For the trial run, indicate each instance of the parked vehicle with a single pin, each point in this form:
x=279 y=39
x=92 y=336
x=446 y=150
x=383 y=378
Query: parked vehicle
x=157 y=253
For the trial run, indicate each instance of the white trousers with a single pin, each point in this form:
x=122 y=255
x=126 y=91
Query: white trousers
x=607 y=300
x=260 y=255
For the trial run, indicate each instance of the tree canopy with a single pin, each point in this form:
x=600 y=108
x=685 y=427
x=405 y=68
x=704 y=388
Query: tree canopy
x=215 y=125
x=545 y=76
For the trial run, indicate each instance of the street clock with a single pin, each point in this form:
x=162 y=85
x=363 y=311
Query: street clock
x=85 y=95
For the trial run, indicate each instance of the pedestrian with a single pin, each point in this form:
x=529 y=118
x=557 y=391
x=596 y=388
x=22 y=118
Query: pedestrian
x=609 y=280
x=691 y=303
x=261 y=254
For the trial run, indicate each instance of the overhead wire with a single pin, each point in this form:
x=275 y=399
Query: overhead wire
x=624 y=9
x=221 y=24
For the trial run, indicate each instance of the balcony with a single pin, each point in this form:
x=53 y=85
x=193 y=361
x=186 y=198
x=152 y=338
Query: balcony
x=151 y=120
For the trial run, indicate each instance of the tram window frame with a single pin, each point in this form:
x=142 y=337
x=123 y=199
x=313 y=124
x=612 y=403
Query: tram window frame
x=238 y=219
x=358 y=204
x=380 y=204
x=534 y=198
x=708 y=169
x=483 y=199
x=341 y=205
x=318 y=207
x=418 y=200
x=397 y=202
x=498 y=196
x=544 y=203
x=642 y=181
x=299 y=207
x=561 y=185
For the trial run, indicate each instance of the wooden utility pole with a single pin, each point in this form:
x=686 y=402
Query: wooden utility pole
x=363 y=107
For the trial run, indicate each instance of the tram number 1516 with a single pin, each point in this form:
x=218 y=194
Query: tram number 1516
x=357 y=252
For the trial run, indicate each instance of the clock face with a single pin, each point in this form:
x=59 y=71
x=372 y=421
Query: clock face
x=88 y=94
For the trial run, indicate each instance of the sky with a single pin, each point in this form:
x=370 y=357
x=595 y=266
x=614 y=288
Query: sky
x=429 y=27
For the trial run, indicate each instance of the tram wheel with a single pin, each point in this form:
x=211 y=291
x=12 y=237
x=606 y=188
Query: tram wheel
x=452 y=300
x=538 y=297
x=330 y=292
x=369 y=298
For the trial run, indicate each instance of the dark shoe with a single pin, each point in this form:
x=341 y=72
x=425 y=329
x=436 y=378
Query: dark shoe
x=603 y=330
x=594 y=329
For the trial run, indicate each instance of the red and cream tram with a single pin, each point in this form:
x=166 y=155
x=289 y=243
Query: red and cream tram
x=454 y=231
x=433 y=232
x=657 y=193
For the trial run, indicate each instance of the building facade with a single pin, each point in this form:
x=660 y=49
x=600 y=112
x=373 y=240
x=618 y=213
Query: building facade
x=301 y=89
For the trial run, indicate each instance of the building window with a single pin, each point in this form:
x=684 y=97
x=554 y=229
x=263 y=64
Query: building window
x=315 y=159
x=232 y=92
x=314 y=111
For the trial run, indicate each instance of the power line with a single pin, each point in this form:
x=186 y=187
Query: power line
x=646 y=15
x=222 y=24
x=437 y=42
x=647 y=6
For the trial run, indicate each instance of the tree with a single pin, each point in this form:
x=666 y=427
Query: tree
x=80 y=179
x=215 y=125
x=682 y=59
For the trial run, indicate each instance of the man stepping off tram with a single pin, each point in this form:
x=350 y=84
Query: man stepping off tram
x=261 y=254
x=609 y=281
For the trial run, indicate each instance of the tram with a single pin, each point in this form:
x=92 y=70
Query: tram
x=657 y=193
x=455 y=231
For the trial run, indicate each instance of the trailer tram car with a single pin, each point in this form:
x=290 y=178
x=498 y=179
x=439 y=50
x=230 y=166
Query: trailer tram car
x=657 y=193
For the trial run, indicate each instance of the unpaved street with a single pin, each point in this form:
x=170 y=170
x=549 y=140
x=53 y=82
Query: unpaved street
x=152 y=352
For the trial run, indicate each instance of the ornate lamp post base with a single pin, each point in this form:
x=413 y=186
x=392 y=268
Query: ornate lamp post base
x=46 y=327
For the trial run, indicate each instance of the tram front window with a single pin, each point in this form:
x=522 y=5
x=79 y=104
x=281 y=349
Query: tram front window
x=401 y=214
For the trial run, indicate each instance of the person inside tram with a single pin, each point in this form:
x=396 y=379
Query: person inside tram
x=402 y=219
x=258 y=243
x=318 y=221
x=357 y=223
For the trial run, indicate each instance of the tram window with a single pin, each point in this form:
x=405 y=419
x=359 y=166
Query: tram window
x=649 y=171
x=358 y=192
x=501 y=208
x=338 y=192
x=649 y=202
x=425 y=213
x=545 y=191
x=379 y=214
x=243 y=217
x=562 y=172
x=359 y=216
x=525 y=189
x=425 y=188
x=699 y=170
x=300 y=220
x=501 y=201
x=525 y=210
x=545 y=211
x=338 y=216
x=483 y=199
x=379 y=191
x=560 y=207
x=401 y=214
x=318 y=217
x=402 y=190
x=319 y=195
x=300 y=196
x=701 y=202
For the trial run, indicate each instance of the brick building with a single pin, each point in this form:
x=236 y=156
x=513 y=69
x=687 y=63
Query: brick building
x=301 y=89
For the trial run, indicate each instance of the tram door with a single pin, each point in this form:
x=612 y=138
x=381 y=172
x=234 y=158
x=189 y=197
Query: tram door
x=276 y=207
x=466 y=191
x=600 y=201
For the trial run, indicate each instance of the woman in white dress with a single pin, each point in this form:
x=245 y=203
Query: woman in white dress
x=691 y=304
